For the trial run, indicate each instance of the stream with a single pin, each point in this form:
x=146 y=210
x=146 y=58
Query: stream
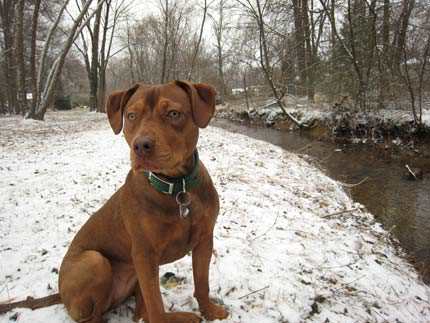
x=402 y=206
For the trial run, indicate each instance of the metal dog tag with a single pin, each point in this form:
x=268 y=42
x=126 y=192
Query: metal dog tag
x=183 y=200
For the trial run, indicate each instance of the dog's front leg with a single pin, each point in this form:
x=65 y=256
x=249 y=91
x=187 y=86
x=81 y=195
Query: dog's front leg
x=147 y=275
x=202 y=254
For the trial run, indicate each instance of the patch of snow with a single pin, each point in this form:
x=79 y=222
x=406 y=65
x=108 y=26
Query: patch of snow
x=283 y=253
x=307 y=113
x=426 y=117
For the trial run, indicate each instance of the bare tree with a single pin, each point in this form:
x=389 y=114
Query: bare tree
x=113 y=15
x=165 y=10
x=171 y=49
x=94 y=68
x=256 y=12
x=220 y=26
x=197 y=46
x=47 y=86
x=399 y=38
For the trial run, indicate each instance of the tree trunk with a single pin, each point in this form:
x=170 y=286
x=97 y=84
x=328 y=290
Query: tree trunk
x=333 y=44
x=219 y=30
x=3 y=109
x=221 y=74
x=19 y=55
x=94 y=69
x=131 y=56
x=360 y=96
x=384 y=87
x=332 y=19
x=33 y=74
x=197 y=48
x=7 y=13
x=166 y=43
x=102 y=91
x=309 y=52
x=386 y=27
x=245 y=88
x=300 y=45
x=424 y=62
x=400 y=35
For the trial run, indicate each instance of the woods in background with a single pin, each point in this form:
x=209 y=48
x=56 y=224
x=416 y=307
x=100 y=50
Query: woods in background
x=33 y=63
x=376 y=52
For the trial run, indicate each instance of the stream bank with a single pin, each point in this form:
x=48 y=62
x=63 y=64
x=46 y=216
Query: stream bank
x=385 y=129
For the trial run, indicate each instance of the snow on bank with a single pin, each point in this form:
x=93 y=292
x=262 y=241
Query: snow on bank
x=269 y=112
x=278 y=258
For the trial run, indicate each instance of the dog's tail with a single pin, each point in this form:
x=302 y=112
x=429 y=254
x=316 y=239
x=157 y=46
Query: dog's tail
x=33 y=303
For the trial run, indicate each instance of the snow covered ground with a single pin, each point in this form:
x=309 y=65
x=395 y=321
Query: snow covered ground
x=282 y=254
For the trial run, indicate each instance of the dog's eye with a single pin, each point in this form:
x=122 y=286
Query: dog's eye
x=173 y=114
x=131 y=116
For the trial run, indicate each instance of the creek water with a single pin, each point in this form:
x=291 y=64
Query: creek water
x=402 y=206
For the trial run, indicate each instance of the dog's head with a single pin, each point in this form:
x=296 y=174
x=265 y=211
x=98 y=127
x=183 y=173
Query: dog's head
x=161 y=122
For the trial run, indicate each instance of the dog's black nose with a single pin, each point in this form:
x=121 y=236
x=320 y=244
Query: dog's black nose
x=143 y=146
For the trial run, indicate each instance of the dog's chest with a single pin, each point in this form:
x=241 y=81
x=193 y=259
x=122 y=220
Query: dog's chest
x=176 y=240
x=176 y=237
x=172 y=236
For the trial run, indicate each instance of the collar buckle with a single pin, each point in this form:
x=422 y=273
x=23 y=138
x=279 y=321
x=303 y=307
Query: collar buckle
x=171 y=185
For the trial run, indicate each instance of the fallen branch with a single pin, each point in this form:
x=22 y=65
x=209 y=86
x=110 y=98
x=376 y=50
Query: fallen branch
x=32 y=303
x=342 y=212
x=253 y=292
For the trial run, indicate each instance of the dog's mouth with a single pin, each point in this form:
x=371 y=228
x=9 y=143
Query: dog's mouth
x=139 y=164
x=149 y=163
x=167 y=166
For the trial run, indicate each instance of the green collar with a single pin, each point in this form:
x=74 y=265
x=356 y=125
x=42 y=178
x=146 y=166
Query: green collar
x=174 y=185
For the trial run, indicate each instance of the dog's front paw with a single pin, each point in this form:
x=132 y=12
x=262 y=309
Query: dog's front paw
x=140 y=317
x=213 y=312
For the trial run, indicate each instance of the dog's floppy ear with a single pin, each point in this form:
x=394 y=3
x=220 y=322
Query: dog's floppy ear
x=202 y=98
x=115 y=107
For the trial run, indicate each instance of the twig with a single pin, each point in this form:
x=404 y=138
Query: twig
x=186 y=303
x=341 y=266
x=353 y=185
x=342 y=212
x=347 y=284
x=270 y=228
x=410 y=171
x=253 y=292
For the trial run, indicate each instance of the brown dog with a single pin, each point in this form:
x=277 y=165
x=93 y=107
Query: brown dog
x=167 y=207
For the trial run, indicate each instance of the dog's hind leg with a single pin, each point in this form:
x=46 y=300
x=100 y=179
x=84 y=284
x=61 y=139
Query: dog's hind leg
x=85 y=284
